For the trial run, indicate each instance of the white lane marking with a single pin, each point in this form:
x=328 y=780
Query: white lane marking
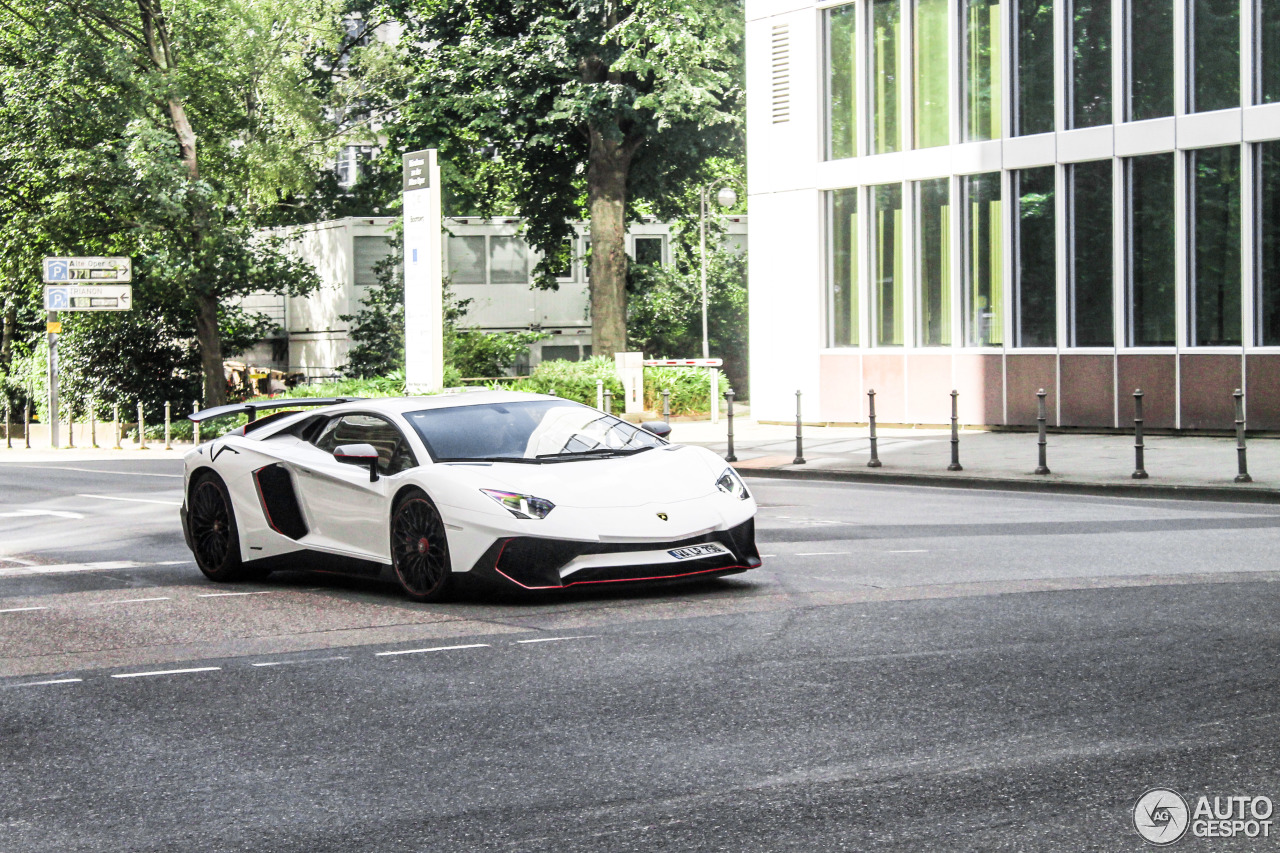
x=435 y=649
x=22 y=609
x=822 y=554
x=166 y=672
x=556 y=639
x=89 y=470
x=229 y=594
x=50 y=681
x=18 y=560
x=304 y=660
x=131 y=500
x=67 y=568
x=910 y=551
x=128 y=601
x=30 y=513
x=762 y=556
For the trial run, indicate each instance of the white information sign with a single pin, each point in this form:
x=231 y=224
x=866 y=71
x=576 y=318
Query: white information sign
x=87 y=297
x=423 y=286
x=88 y=270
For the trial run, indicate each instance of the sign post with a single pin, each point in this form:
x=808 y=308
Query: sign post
x=80 y=284
x=423 y=270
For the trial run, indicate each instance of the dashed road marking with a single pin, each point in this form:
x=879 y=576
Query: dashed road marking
x=434 y=649
x=92 y=470
x=132 y=500
x=229 y=594
x=910 y=551
x=166 y=672
x=553 y=639
x=128 y=601
x=50 y=681
x=302 y=660
x=822 y=554
x=69 y=568
x=32 y=513
x=22 y=609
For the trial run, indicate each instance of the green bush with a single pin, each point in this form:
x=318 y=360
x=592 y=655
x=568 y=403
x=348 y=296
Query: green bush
x=572 y=380
x=689 y=387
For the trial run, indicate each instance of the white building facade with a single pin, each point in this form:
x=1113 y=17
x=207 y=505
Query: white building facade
x=999 y=196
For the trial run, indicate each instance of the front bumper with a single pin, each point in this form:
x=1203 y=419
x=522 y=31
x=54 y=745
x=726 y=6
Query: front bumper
x=534 y=563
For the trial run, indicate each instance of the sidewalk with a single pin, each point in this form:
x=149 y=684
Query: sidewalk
x=1178 y=466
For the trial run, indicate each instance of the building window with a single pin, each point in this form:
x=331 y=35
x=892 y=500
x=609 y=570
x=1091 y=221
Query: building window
x=932 y=81
x=886 y=34
x=648 y=250
x=1149 y=26
x=983 y=261
x=1267 y=51
x=1089 y=75
x=842 y=82
x=842 y=266
x=1213 y=38
x=1149 y=201
x=1090 y=276
x=1268 y=242
x=467 y=260
x=508 y=261
x=886 y=291
x=1035 y=267
x=1214 y=228
x=983 y=79
x=933 y=241
x=1033 y=65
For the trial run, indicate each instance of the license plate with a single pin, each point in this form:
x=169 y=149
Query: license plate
x=711 y=549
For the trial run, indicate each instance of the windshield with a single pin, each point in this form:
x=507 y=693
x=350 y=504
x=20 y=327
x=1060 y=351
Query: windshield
x=528 y=431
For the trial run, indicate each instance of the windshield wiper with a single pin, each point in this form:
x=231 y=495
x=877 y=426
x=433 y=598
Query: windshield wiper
x=523 y=459
x=594 y=452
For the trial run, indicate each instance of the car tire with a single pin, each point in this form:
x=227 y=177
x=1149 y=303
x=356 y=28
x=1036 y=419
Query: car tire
x=420 y=548
x=215 y=541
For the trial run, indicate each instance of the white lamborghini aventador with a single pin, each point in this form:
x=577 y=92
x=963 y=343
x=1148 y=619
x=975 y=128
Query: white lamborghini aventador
x=530 y=490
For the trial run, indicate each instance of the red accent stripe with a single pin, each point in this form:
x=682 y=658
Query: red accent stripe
x=613 y=580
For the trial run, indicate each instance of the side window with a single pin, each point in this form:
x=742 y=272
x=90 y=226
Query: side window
x=394 y=454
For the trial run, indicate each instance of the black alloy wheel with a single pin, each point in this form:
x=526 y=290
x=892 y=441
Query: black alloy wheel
x=214 y=538
x=419 y=549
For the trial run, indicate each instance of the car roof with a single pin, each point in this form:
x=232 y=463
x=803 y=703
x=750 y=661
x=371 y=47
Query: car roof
x=400 y=405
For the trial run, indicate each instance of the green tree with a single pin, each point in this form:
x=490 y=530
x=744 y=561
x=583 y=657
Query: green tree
x=576 y=106
x=164 y=132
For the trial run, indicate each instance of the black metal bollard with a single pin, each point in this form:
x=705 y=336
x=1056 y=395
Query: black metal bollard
x=666 y=405
x=1243 y=476
x=608 y=401
x=1041 y=418
x=799 y=460
x=728 y=398
x=955 y=434
x=874 y=462
x=1139 y=471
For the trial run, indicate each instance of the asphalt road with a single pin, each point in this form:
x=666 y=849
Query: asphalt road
x=913 y=669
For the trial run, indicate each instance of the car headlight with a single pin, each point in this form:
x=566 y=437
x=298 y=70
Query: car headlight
x=521 y=506
x=731 y=484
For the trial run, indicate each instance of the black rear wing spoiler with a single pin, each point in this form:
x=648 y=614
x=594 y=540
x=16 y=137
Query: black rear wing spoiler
x=252 y=408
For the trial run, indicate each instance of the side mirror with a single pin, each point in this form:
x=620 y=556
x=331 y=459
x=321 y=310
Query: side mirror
x=359 y=454
x=661 y=429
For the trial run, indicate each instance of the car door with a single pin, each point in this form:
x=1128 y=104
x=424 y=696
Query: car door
x=345 y=510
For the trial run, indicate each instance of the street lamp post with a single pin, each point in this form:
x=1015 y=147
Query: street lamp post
x=726 y=197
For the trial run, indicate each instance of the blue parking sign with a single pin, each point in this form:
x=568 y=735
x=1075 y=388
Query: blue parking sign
x=56 y=269
x=57 y=298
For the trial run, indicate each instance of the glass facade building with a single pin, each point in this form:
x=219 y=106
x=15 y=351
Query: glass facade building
x=1087 y=191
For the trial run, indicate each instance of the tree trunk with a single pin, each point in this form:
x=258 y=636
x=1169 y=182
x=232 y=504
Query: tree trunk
x=215 y=384
x=607 y=169
x=10 y=321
